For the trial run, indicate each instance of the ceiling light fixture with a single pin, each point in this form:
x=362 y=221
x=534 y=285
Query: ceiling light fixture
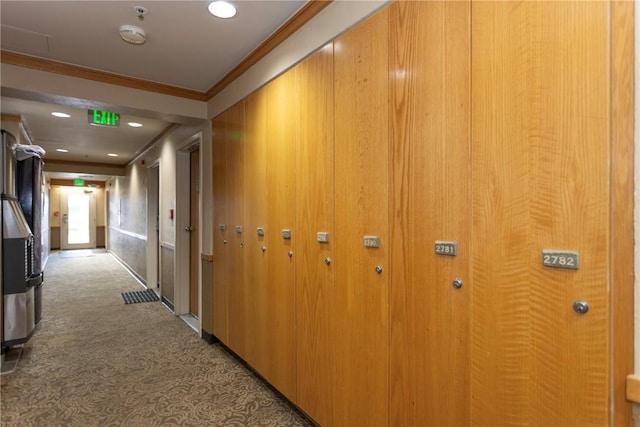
x=135 y=125
x=222 y=9
x=62 y=150
x=61 y=115
x=132 y=34
x=112 y=155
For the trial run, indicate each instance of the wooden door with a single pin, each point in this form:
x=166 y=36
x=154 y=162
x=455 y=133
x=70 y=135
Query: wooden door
x=361 y=304
x=236 y=230
x=430 y=202
x=194 y=234
x=282 y=113
x=540 y=180
x=315 y=213
x=221 y=227
x=255 y=297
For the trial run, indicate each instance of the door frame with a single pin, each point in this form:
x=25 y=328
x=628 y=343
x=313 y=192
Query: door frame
x=153 y=220
x=183 y=219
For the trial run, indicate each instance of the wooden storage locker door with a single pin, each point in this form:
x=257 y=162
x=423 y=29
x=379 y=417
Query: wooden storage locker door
x=282 y=120
x=430 y=201
x=315 y=213
x=361 y=304
x=235 y=237
x=540 y=144
x=220 y=217
x=254 y=296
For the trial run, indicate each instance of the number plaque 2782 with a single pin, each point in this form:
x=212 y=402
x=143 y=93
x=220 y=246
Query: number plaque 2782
x=560 y=259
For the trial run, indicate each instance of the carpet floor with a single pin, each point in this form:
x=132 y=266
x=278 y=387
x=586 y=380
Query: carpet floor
x=94 y=361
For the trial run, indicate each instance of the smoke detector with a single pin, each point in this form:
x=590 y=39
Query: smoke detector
x=132 y=34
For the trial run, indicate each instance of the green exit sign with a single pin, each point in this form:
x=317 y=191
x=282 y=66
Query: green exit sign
x=104 y=118
x=78 y=182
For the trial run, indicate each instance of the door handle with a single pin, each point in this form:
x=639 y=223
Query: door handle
x=188 y=228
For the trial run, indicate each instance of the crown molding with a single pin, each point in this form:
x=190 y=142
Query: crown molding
x=79 y=163
x=10 y=117
x=56 y=67
x=304 y=15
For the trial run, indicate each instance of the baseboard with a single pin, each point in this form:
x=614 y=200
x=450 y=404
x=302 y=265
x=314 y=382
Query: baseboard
x=168 y=304
x=257 y=374
x=134 y=273
x=209 y=338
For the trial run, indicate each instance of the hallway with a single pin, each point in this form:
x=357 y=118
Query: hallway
x=95 y=361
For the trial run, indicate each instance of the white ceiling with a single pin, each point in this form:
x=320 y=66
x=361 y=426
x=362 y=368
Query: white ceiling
x=186 y=47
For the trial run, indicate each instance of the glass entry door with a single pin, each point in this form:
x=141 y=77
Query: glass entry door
x=78 y=227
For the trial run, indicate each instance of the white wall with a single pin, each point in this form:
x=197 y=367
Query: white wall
x=165 y=153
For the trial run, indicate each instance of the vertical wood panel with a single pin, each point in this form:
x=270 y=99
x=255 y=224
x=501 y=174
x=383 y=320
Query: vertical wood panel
x=282 y=113
x=314 y=213
x=540 y=180
x=622 y=251
x=256 y=298
x=207 y=298
x=194 y=235
x=430 y=199
x=361 y=206
x=220 y=216
x=235 y=203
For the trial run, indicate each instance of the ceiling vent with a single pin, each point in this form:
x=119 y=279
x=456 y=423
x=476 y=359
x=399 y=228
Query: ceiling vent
x=132 y=34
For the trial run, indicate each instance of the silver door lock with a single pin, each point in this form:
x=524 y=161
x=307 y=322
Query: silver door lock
x=457 y=283
x=580 y=307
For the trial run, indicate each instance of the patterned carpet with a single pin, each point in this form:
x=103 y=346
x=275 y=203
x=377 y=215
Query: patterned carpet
x=95 y=361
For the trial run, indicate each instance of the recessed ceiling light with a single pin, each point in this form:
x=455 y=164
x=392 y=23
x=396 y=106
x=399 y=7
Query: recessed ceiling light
x=61 y=115
x=62 y=150
x=135 y=125
x=112 y=155
x=222 y=9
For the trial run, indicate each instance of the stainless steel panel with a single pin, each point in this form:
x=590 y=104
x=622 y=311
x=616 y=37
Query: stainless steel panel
x=9 y=163
x=19 y=316
x=14 y=223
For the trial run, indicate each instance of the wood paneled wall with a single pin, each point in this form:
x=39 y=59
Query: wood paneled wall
x=361 y=296
x=282 y=113
x=315 y=189
x=404 y=129
x=255 y=295
x=430 y=199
